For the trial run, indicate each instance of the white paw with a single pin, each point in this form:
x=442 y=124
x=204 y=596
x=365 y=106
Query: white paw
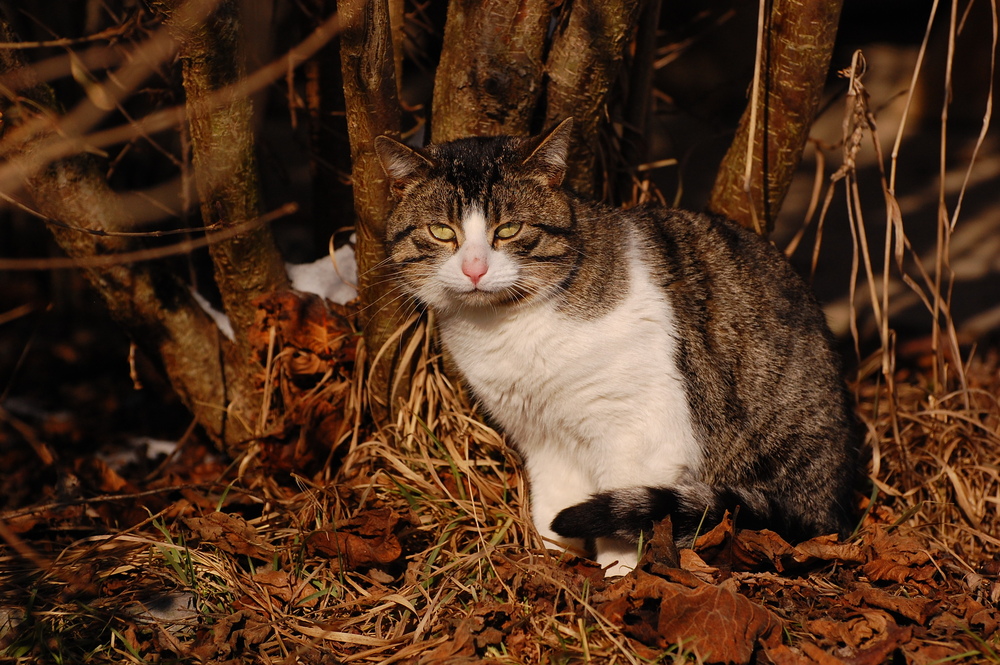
x=617 y=557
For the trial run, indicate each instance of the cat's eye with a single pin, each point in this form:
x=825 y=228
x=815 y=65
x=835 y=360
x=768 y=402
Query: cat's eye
x=442 y=232
x=508 y=230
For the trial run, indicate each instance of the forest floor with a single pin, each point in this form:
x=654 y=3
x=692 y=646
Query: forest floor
x=127 y=538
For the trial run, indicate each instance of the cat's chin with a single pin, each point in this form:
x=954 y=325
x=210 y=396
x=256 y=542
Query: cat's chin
x=477 y=301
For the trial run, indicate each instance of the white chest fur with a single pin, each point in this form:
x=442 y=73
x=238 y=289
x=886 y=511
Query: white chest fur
x=598 y=403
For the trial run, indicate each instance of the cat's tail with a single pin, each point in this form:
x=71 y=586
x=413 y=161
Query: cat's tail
x=624 y=514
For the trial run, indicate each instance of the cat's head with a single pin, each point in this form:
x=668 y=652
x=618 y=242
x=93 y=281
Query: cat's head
x=480 y=222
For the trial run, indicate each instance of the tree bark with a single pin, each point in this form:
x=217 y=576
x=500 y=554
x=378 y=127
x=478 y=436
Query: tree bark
x=584 y=61
x=372 y=109
x=246 y=266
x=491 y=84
x=798 y=43
x=156 y=309
x=225 y=165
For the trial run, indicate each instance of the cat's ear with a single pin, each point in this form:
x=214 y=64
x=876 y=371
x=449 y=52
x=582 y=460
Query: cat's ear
x=401 y=163
x=548 y=160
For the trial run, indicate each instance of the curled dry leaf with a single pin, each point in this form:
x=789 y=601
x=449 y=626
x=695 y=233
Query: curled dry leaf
x=317 y=331
x=279 y=584
x=916 y=609
x=230 y=533
x=364 y=541
x=308 y=365
x=661 y=550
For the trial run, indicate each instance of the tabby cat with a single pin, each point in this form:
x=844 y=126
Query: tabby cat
x=643 y=362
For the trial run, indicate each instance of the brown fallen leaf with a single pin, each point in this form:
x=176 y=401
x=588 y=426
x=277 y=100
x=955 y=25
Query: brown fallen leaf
x=820 y=657
x=230 y=533
x=880 y=650
x=716 y=624
x=661 y=550
x=782 y=654
x=279 y=584
x=754 y=549
x=916 y=609
x=691 y=562
x=887 y=570
x=364 y=541
x=459 y=650
x=829 y=548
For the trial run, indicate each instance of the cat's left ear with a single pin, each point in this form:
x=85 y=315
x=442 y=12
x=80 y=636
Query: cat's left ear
x=548 y=160
x=401 y=163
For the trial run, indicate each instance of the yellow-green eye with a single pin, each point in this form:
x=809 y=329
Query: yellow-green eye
x=442 y=232
x=508 y=230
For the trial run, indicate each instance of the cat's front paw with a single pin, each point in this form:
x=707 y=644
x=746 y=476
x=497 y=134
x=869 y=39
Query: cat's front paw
x=617 y=557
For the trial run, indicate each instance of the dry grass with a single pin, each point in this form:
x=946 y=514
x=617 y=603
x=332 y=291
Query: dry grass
x=416 y=545
x=469 y=580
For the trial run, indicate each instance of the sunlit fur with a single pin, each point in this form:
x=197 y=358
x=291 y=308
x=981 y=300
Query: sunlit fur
x=619 y=351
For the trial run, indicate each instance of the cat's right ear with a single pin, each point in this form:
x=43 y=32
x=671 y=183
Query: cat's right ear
x=548 y=159
x=401 y=163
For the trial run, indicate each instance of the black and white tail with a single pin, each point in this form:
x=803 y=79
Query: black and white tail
x=624 y=514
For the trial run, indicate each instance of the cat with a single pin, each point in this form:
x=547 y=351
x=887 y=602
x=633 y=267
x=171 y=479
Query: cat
x=643 y=362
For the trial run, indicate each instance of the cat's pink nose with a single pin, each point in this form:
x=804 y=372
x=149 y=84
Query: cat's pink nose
x=474 y=268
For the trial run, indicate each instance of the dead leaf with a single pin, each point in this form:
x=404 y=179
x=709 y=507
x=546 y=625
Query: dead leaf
x=920 y=653
x=457 y=651
x=753 y=549
x=916 y=609
x=829 y=548
x=785 y=655
x=661 y=550
x=279 y=584
x=716 y=624
x=820 y=657
x=230 y=533
x=886 y=570
x=880 y=650
x=693 y=563
x=366 y=540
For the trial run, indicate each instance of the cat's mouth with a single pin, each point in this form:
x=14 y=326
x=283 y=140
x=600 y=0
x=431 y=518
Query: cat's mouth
x=479 y=297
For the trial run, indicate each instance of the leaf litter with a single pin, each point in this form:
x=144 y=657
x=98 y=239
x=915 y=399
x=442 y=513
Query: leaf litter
x=412 y=544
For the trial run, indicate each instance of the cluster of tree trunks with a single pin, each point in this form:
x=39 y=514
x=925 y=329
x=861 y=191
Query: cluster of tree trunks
x=505 y=67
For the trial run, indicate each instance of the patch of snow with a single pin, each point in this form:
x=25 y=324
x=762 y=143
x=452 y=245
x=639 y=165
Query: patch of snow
x=221 y=320
x=135 y=449
x=332 y=277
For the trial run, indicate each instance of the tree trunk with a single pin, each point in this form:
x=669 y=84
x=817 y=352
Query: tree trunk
x=491 y=84
x=246 y=266
x=798 y=43
x=640 y=83
x=584 y=61
x=156 y=309
x=225 y=165
x=372 y=109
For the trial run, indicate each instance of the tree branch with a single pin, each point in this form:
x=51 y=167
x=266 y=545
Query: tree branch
x=585 y=59
x=225 y=165
x=491 y=84
x=157 y=309
x=372 y=109
x=798 y=43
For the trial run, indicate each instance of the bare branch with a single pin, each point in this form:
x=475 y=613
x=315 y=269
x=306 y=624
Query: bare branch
x=585 y=59
x=372 y=109
x=491 y=84
x=798 y=42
